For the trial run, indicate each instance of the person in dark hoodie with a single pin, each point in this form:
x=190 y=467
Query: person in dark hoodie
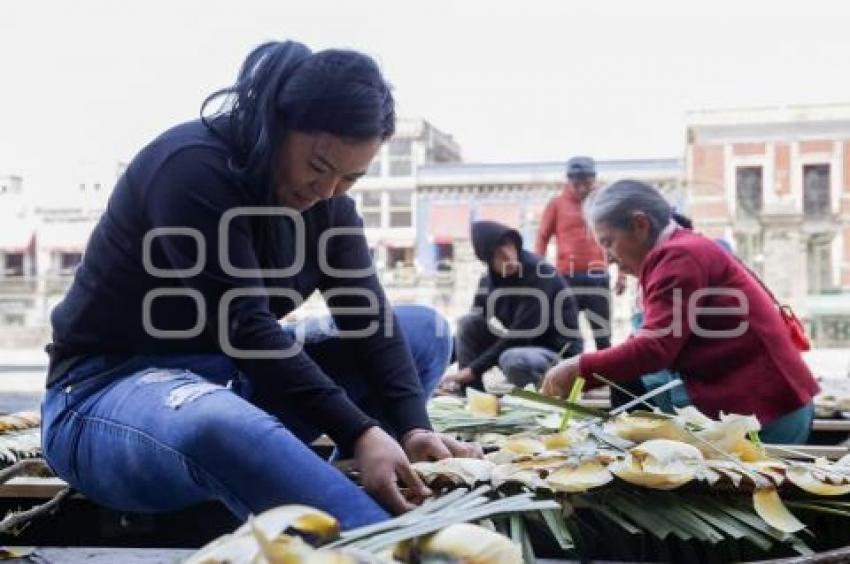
x=523 y=314
x=171 y=381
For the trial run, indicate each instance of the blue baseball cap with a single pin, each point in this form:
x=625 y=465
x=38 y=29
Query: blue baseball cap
x=581 y=167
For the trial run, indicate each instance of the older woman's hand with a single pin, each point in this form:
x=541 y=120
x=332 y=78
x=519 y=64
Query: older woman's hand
x=559 y=379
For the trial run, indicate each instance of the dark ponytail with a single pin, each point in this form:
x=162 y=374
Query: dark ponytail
x=283 y=86
x=682 y=220
x=249 y=106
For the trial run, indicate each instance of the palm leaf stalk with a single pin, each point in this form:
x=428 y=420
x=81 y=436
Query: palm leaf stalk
x=575 y=395
x=469 y=506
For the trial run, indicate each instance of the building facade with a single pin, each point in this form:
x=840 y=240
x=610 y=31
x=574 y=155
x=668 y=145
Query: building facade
x=418 y=212
x=17 y=254
x=775 y=182
x=42 y=243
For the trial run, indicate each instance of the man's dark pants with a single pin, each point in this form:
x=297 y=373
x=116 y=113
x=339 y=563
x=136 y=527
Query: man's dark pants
x=593 y=297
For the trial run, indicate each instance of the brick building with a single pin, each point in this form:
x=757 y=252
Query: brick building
x=775 y=182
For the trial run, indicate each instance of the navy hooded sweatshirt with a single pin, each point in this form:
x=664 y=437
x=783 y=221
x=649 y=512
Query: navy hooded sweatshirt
x=183 y=179
x=517 y=312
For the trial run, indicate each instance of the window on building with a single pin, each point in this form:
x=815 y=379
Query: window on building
x=12 y=319
x=401 y=198
x=399 y=256
x=401 y=157
x=819 y=263
x=68 y=262
x=370 y=207
x=748 y=190
x=816 y=182
x=13 y=264
x=401 y=147
x=371 y=218
x=401 y=218
x=445 y=256
x=401 y=208
x=371 y=198
x=401 y=167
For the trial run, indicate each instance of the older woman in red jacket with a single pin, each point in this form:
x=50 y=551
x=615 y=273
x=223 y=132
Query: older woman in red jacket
x=705 y=317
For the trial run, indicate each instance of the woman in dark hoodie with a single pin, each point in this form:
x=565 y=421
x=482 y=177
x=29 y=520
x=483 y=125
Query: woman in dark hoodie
x=523 y=314
x=171 y=381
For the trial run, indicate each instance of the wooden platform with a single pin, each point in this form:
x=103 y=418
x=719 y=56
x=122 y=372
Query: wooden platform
x=45 y=488
x=831 y=425
x=32 y=488
x=96 y=555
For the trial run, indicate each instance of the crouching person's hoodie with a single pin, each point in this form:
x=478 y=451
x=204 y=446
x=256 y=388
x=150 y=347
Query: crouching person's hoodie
x=534 y=306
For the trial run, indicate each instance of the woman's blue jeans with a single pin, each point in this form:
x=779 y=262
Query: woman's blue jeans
x=159 y=433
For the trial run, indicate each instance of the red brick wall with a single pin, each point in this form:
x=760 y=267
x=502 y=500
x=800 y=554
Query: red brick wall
x=816 y=146
x=707 y=181
x=782 y=177
x=847 y=167
x=745 y=149
x=708 y=168
x=709 y=210
x=845 y=212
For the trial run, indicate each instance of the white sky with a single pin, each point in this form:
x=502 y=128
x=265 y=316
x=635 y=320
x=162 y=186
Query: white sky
x=93 y=81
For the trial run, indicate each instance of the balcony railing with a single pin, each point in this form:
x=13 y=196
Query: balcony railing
x=830 y=330
x=30 y=285
x=406 y=277
x=18 y=285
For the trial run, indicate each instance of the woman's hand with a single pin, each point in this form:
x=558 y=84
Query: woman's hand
x=452 y=383
x=559 y=379
x=424 y=445
x=383 y=464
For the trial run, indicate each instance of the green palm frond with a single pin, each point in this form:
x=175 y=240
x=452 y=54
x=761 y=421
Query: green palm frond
x=459 y=506
x=633 y=523
x=564 y=404
x=468 y=423
x=622 y=522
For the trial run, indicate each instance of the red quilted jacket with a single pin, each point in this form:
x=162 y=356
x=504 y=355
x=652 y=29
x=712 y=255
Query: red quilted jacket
x=759 y=372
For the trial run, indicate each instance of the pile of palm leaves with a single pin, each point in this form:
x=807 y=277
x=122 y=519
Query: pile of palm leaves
x=565 y=481
x=20 y=437
x=437 y=531
x=645 y=525
x=649 y=486
x=448 y=415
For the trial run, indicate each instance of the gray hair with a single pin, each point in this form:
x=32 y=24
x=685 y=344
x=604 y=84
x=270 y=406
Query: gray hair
x=616 y=204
